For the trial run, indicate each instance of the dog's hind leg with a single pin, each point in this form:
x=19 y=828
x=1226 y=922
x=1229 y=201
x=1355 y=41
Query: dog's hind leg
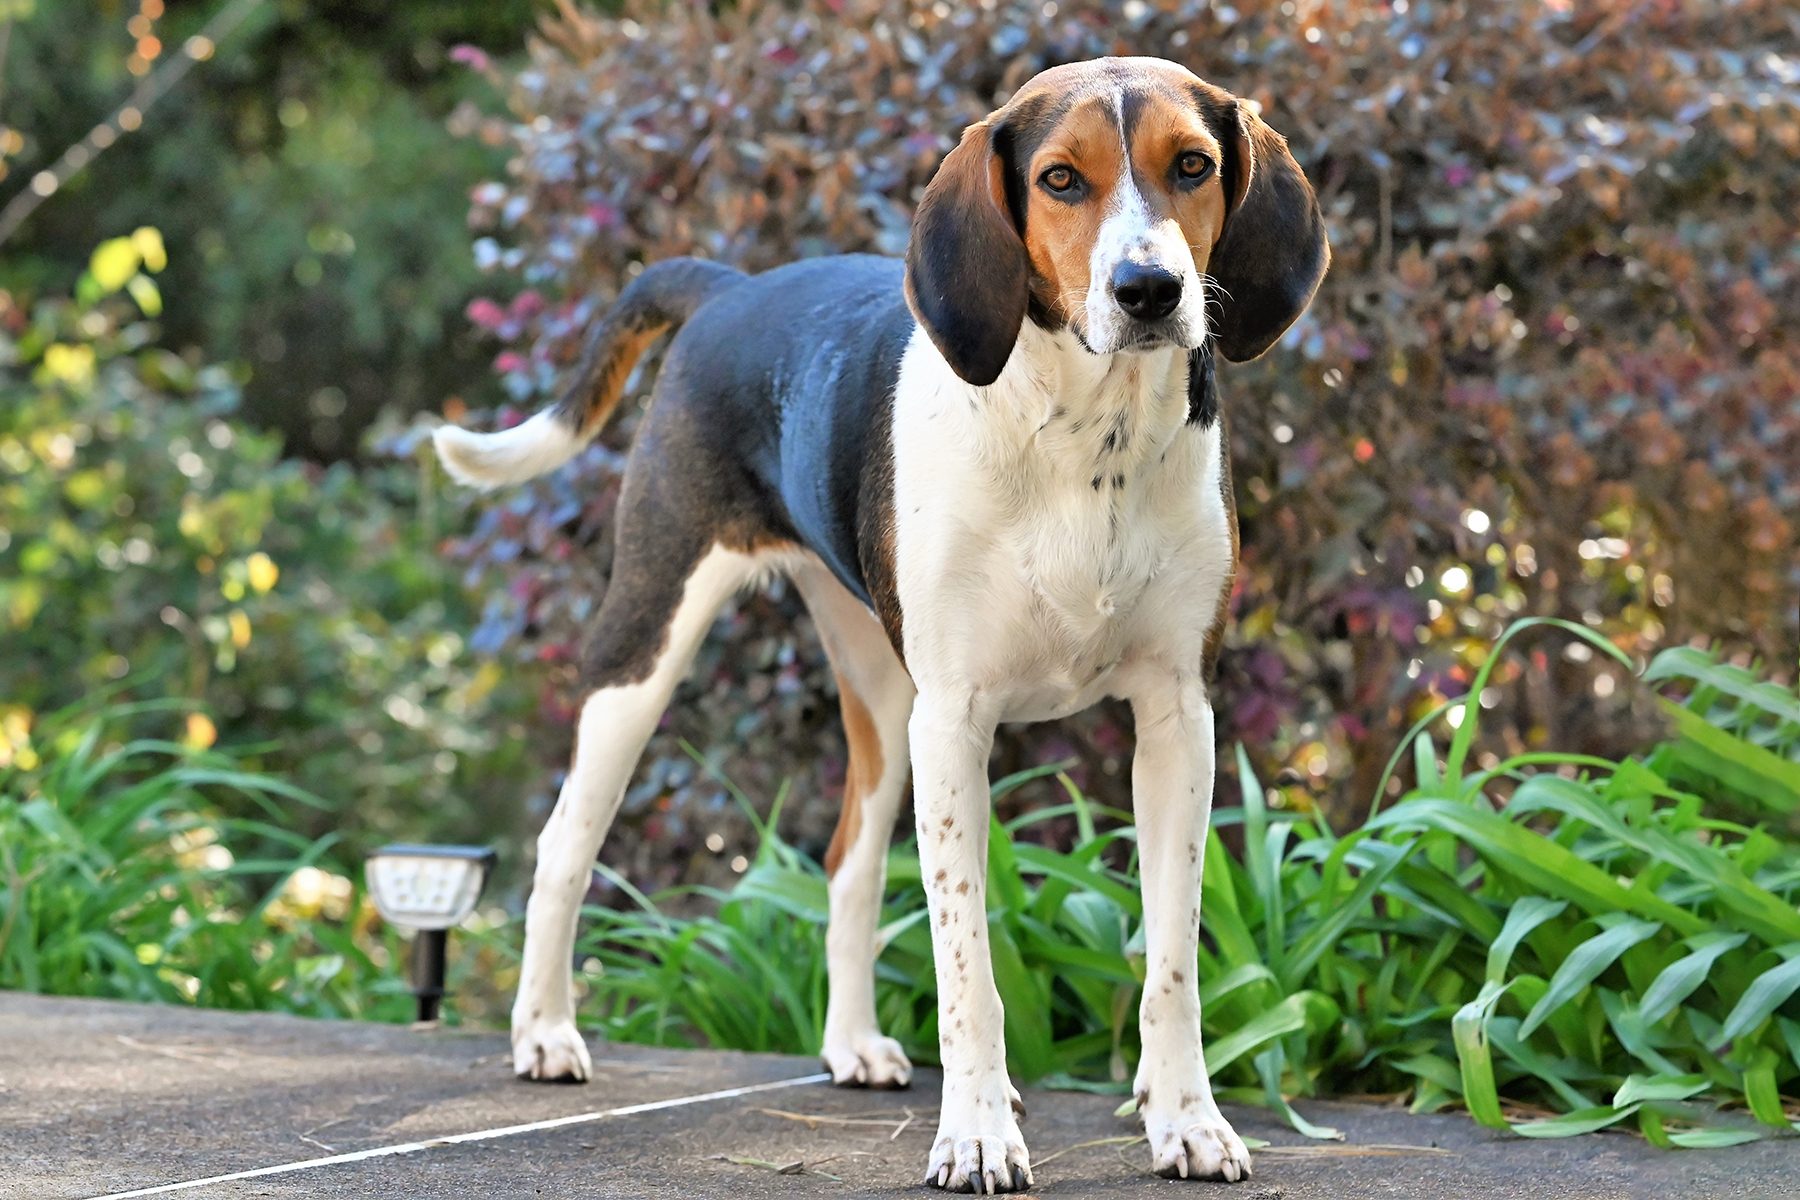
x=876 y=695
x=651 y=622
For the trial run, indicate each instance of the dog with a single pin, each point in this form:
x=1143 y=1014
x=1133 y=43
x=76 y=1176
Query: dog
x=996 y=473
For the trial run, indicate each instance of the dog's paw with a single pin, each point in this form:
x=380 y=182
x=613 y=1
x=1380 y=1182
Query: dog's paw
x=866 y=1060
x=985 y=1153
x=550 y=1052
x=1197 y=1146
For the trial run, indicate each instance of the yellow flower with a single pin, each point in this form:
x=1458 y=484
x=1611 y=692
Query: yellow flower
x=148 y=242
x=263 y=571
x=201 y=732
x=144 y=290
x=15 y=739
x=115 y=260
x=73 y=365
x=240 y=628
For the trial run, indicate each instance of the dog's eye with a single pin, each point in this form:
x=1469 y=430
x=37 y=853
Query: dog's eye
x=1193 y=165
x=1059 y=178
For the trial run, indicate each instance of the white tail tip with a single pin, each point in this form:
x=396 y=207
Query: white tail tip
x=491 y=460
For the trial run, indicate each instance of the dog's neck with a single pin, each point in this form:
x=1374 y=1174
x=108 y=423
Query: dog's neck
x=1085 y=416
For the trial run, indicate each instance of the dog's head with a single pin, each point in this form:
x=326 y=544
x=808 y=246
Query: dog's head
x=1125 y=200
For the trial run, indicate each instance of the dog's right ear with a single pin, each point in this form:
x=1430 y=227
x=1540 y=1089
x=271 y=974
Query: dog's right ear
x=967 y=270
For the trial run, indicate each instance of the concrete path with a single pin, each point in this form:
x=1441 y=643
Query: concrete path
x=100 y=1098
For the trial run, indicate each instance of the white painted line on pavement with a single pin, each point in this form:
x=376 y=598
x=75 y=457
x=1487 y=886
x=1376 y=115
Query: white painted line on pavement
x=480 y=1135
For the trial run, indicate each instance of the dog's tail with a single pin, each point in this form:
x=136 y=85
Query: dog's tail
x=663 y=296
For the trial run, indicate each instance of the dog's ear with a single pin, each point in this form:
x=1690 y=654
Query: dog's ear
x=1272 y=253
x=967 y=271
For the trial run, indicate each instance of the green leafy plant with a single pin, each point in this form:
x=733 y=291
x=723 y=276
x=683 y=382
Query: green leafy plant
x=149 y=536
x=129 y=870
x=119 y=879
x=1737 y=736
x=1558 y=943
x=1594 y=949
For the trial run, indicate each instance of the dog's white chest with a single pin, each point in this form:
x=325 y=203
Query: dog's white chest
x=1067 y=585
x=1043 y=549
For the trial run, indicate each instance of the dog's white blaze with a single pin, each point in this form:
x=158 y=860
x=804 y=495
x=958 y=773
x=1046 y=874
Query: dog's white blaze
x=1030 y=593
x=1130 y=232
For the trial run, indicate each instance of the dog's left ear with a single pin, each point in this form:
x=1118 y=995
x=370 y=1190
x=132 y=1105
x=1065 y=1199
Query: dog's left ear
x=1272 y=253
x=967 y=271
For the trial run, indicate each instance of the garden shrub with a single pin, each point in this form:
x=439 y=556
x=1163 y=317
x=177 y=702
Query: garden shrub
x=1599 y=945
x=125 y=874
x=153 y=545
x=1548 y=373
x=304 y=176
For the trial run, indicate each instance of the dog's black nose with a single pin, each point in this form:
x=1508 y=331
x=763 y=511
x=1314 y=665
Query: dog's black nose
x=1147 y=293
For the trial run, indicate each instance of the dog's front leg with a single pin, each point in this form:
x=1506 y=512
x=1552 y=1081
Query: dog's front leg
x=1172 y=785
x=978 y=1145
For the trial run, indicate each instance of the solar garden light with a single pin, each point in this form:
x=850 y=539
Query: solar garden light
x=428 y=889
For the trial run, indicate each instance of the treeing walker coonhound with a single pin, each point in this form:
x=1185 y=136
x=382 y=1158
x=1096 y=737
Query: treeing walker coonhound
x=997 y=476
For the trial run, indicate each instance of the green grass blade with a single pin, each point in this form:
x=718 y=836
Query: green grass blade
x=1572 y=1124
x=1770 y=990
x=1691 y=663
x=1287 y=1017
x=1763 y=1095
x=1680 y=978
x=1714 y=1139
x=1526 y=915
x=1638 y=1088
x=1475 y=1058
x=1464 y=737
x=1584 y=965
x=1748 y=769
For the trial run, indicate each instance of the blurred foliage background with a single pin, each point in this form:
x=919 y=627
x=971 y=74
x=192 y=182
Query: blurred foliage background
x=1553 y=372
x=1548 y=374
x=303 y=174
